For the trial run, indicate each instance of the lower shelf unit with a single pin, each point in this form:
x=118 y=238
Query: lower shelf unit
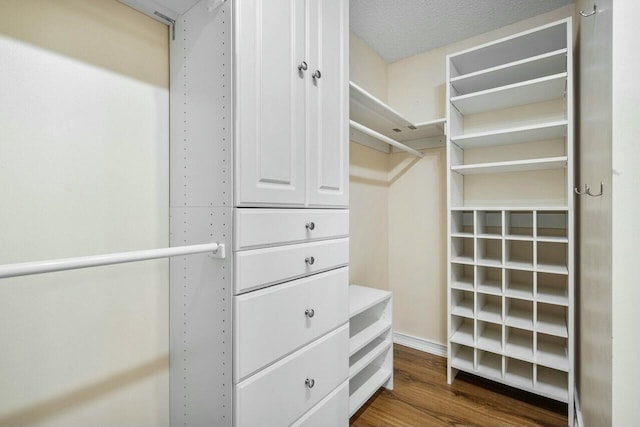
x=370 y=344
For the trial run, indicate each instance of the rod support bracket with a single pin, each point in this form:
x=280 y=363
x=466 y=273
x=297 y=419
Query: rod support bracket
x=220 y=253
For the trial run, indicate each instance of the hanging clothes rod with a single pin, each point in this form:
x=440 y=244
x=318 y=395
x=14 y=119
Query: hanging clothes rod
x=38 y=267
x=384 y=138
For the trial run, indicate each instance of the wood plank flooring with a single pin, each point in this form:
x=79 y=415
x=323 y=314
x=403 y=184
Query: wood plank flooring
x=421 y=397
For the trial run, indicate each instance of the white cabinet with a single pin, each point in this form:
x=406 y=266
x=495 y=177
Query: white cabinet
x=291 y=103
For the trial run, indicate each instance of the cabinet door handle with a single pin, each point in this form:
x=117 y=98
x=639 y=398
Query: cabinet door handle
x=303 y=66
x=310 y=382
x=310 y=260
x=310 y=226
x=317 y=74
x=310 y=312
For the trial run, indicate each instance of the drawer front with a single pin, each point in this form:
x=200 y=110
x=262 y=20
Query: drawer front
x=273 y=322
x=278 y=395
x=267 y=227
x=332 y=411
x=259 y=268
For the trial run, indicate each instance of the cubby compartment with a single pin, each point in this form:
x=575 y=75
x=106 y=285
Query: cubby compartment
x=462 y=328
x=552 y=352
x=490 y=308
x=462 y=303
x=519 y=373
x=490 y=364
x=462 y=277
x=552 y=226
x=489 y=337
x=552 y=257
x=462 y=250
x=519 y=254
x=462 y=223
x=489 y=224
x=553 y=288
x=552 y=320
x=490 y=280
x=489 y=252
x=519 y=344
x=519 y=225
x=519 y=284
x=462 y=357
x=519 y=313
x=552 y=383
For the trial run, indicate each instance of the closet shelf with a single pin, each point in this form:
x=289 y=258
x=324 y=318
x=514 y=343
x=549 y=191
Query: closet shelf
x=380 y=137
x=368 y=354
x=512 y=166
x=552 y=356
x=364 y=385
x=528 y=92
x=365 y=334
x=362 y=298
x=463 y=335
x=517 y=135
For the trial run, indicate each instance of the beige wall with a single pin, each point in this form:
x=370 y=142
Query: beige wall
x=84 y=165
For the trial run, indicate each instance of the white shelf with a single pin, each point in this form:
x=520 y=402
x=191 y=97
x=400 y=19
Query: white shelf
x=552 y=294
x=509 y=207
x=529 y=92
x=490 y=287
x=517 y=135
x=368 y=354
x=490 y=340
x=519 y=265
x=553 y=384
x=364 y=385
x=519 y=291
x=534 y=67
x=464 y=284
x=552 y=239
x=552 y=268
x=489 y=262
x=512 y=166
x=490 y=313
x=364 y=331
x=519 y=345
x=463 y=308
x=360 y=133
x=519 y=318
x=462 y=260
x=362 y=298
x=490 y=365
x=520 y=374
x=464 y=334
x=463 y=359
x=552 y=355
x=552 y=325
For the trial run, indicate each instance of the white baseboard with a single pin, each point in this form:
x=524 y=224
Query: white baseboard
x=579 y=422
x=420 y=344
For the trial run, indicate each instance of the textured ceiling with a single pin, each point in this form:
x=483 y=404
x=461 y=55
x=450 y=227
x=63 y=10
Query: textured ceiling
x=396 y=29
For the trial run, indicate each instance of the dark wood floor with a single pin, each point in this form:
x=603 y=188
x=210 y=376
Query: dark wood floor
x=422 y=397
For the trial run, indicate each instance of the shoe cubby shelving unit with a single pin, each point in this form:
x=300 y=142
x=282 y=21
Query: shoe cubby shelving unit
x=511 y=213
x=370 y=344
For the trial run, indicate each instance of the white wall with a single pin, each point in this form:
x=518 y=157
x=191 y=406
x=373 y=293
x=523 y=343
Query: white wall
x=84 y=167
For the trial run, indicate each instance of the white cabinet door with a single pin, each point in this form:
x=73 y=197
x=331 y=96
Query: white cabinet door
x=328 y=108
x=270 y=102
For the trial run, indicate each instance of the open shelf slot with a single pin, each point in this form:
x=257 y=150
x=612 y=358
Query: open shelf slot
x=552 y=258
x=462 y=277
x=490 y=365
x=552 y=227
x=462 y=223
x=519 y=344
x=462 y=250
x=490 y=280
x=519 y=373
x=462 y=303
x=519 y=284
x=552 y=352
x=552 y=320
x=462 y=357
x=553 y=383
x=364 y=328
x=365 y=384
x=489 y=224
x=489 y=252
x=462 y=330
x=362 y=298
x=519 y=225
x=490 y=308
x=517 y=135
x=546 y=163
x=519 y=254
x=369 y=353
x=490 y=337
x=519 y=314
x=553 y=289
x=534 y=67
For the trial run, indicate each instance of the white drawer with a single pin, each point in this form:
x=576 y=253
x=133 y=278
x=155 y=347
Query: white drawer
x=278 y=395
x=267 y=227
x=271 y=323
x=258 y=268
x=332 y=411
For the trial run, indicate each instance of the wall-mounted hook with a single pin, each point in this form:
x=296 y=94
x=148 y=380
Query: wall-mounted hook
x=595 y=9
x=586 y=190
x=599 y=194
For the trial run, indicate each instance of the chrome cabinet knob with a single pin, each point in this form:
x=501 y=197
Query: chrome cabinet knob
x=310 y=226
x=310 y=382
x=303 y=66
x=317 y=74
x=310 y=260
x=310 y=312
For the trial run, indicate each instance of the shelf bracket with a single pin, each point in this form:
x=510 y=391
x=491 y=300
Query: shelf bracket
x=172 y=22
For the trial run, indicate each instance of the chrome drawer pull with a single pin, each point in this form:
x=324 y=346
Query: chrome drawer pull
x=310 y=312
x=317 y=75
x=310 y=226
x=303 y=66
x=309 y=260
x=310 y=382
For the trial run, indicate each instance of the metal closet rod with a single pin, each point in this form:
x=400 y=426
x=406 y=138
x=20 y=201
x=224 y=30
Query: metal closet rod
x=384 y=138
x=217 y=250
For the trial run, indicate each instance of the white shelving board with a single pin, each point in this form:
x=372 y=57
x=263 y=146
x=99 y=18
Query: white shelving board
x=510 y=275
